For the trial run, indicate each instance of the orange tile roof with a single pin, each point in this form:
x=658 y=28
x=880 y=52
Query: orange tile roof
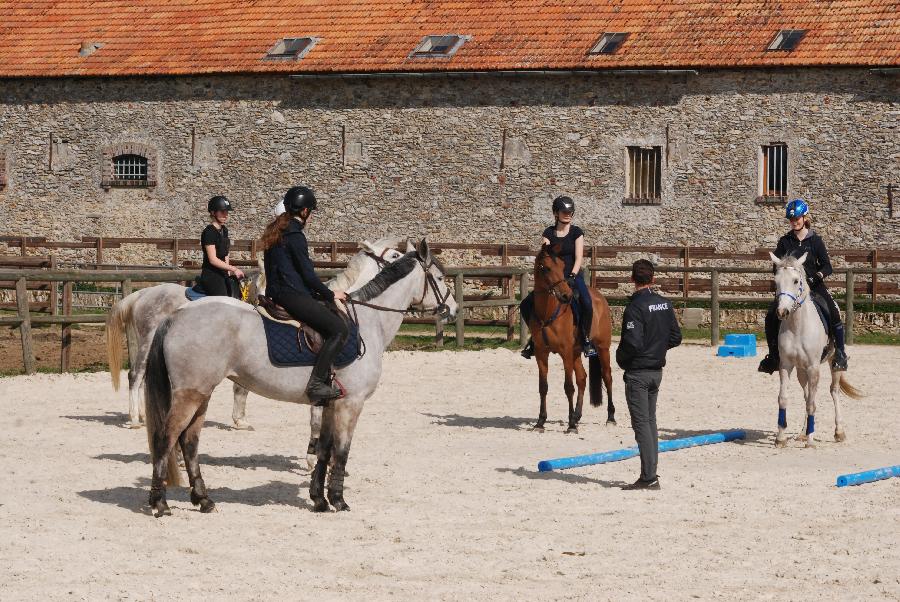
x=167 y=37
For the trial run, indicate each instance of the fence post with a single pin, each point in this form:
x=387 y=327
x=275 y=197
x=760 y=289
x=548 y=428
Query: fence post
x=460 y=311
x=874 y=277
x=65 y=352
x=523 y=292
x=54 y=293
x=849 y=310
x=99 y=251
x=25 y=325
x=687 y=263
x=175 y=252
x=714 y=308
x=439 y=331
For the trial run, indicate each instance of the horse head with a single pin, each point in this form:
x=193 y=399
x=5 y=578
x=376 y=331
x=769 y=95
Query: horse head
x=549 y=275
x=790 y=284
x=437 y=295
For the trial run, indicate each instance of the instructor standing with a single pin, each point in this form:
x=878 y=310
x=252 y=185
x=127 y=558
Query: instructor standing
x=649 y=329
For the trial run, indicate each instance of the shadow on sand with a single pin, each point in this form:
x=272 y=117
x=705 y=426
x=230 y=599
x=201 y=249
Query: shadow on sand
x=560 y=476
x=254 y=461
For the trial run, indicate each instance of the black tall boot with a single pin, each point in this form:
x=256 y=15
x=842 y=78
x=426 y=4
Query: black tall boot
x=839 y=362
x=321 y=387
x=771 y=362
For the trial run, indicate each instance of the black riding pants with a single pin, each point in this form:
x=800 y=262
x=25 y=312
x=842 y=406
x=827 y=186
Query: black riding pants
x=215 y=284
x=332 y=327
x=834 y=316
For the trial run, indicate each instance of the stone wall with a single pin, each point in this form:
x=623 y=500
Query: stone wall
x=471 y=159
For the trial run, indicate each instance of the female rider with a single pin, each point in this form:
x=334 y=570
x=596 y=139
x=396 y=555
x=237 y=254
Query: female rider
x=216 y=274
x=570 y=238
x=799 y=240
x=293 y=284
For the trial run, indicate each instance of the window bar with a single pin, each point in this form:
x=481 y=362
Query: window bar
x=778 y=170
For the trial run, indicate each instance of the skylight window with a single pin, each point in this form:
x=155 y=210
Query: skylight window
x=291 y=48
x=439 y=46
x=787 y=39
x=609 y=42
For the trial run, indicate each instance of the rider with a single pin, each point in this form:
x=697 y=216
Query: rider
x=293 y=284
x=216 y=274
x=801 y=239
x=571 y=240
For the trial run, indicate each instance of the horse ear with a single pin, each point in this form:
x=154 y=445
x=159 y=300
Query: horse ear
x=410 y=247
x=424 y=252
x=802 y=258
x=367 y=246
x=555 y=249
x=775 y=260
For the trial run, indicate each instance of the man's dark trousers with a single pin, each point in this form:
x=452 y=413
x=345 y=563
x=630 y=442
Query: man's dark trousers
x=641 y=390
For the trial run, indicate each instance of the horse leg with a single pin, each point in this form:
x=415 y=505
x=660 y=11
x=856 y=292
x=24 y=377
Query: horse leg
x=784 y=373
x=839 y=434
x=136 y=368
x=580 y=383
x=323 y=457
x=607 y=381
x=811 y=390
x=569 y=388
x=542 y=361
x=189 y=441
x=239 y=410
x=315 y=430
x=184 y=407
x=344 y=423
x=803 y=379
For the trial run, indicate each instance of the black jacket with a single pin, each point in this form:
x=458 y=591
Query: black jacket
x=817 y=259
x=289 y=268
x=649 y=329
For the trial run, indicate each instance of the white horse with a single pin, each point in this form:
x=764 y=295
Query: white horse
x=179 y=381
x=802 y=342
x=140 y=314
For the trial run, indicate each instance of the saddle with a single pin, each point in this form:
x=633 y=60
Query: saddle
x=305 y=333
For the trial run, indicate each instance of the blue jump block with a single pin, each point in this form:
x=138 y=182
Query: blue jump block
x=746 y=340
x=630 y=452
x=868 y=476
x=736 y=351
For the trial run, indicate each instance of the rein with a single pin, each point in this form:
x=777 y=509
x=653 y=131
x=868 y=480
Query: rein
x=441 y=308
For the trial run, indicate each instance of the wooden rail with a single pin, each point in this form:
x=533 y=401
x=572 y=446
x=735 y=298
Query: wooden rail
x=507 y=275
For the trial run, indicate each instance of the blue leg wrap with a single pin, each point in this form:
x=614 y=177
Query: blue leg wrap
x=782 y=418
x=810 y=424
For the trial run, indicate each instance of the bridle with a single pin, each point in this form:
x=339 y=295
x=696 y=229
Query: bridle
x=798 y=299
x=441 y=309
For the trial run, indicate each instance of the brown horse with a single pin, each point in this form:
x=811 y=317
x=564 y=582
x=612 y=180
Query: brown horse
x=553 y=329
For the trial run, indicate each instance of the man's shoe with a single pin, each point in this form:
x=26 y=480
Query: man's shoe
x=770 y=364
x=839 y=362
x=528 y=352
x=641 y=484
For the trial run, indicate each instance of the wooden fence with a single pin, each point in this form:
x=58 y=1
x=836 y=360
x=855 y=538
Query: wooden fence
x=508 y=276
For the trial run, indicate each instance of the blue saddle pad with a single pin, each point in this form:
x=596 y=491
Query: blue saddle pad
x=286 y=350
x=192 y=294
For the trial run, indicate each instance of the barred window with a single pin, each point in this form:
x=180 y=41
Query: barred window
x=773 y=171
x=644 y=175
x=129 y=164
x=131 y=168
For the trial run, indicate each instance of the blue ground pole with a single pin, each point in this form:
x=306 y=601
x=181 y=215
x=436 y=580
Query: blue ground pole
x=867 y=476
x=630 y=452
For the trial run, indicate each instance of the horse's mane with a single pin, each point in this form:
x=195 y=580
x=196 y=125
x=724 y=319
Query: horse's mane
x=789 y=261
x=386 y=277
x=355 y=266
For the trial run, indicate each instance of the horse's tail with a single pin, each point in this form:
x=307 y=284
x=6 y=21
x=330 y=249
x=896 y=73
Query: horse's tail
x=848 y=389
x=595 y=380
x=118 y=318
x=158 y=399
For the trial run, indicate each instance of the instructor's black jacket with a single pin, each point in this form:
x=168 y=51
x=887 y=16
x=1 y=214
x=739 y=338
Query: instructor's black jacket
x=649 y=329
x=817 y=259
x=289 y=268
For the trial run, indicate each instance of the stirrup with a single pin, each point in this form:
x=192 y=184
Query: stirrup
x=839 y=361
x=588 y=349
x=528 y=351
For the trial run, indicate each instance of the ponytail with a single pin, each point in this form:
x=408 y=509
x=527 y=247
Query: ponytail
x=272 y=234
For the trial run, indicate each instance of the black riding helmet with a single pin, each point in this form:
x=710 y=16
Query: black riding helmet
x=219 y=203
x=563 y=203
x=298 y=198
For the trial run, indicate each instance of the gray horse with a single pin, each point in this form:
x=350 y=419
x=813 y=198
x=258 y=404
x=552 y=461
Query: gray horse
x=140 y=314
x=179 y=382
x=802 y=343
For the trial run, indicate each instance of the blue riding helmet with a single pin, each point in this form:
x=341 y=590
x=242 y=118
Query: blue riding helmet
x=796 y=208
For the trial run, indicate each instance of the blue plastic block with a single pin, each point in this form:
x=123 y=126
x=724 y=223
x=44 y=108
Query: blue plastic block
x=736 y=351
x=747 y=340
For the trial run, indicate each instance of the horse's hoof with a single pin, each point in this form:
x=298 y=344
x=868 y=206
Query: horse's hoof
x=780 y=442
x=133 y=425
x=207 y=505
x=572 y=429
x=241 y=425
x=161 y=508
x=611 y=422
x=810 y=443
x=840 y=436
x=320 y=506
x=311 y=460
x=340 y=505
x=537 y=429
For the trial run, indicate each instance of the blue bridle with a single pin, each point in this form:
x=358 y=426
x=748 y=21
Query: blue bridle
x=798 y=300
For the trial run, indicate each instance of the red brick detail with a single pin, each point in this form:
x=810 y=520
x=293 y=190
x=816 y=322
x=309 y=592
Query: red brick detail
x=107 y=179
x=2 y=169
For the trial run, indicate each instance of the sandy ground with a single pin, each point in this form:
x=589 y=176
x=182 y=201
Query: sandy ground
x=447 y=502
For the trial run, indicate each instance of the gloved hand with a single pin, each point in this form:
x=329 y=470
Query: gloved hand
x=815 y=279
x=570 y=280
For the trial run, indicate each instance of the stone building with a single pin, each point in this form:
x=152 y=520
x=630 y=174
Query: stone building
x=668 y=122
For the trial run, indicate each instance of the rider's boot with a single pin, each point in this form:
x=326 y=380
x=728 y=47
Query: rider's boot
x=528 y=351
x=771 y=362
x=321 y=387
x=588 y=348
x=839 y=361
